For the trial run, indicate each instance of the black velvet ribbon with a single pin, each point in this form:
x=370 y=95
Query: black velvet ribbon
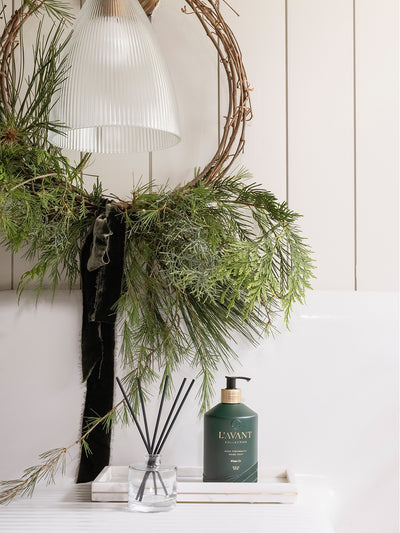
x=102 y=259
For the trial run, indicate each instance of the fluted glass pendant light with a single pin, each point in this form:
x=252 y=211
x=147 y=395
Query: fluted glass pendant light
x=117 y=94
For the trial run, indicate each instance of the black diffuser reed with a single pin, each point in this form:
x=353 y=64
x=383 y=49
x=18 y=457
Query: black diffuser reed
x=154 y=446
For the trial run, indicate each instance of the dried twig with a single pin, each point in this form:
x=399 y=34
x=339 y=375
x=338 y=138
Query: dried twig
x=8 y=43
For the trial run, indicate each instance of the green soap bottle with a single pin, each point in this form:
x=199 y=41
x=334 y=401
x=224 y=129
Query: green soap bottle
x=230 y=438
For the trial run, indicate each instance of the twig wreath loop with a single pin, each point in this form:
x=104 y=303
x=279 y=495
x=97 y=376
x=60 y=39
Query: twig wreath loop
x=239 y=109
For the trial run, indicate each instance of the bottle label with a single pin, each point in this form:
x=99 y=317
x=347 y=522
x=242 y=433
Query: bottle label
x=235 y=436
x=230 y=450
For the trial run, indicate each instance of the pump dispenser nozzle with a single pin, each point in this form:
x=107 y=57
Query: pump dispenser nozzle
x=231 y=394
x=231 y=381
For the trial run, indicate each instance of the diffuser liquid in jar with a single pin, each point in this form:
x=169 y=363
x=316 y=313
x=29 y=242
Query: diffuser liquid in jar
x=152 y=486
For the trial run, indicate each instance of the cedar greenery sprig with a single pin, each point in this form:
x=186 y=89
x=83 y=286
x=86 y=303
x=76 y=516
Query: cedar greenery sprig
x=204 y=262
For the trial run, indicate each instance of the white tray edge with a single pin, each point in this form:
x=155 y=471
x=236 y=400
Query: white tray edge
x=199 y=492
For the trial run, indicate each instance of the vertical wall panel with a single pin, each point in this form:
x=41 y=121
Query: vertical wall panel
x=30 y=30
x=5 y=256
x=5 y=269
x=20 y=266
x=117 y=173
x=320 y=96
x=377 y=144
x=260 y=31
x=193 y=66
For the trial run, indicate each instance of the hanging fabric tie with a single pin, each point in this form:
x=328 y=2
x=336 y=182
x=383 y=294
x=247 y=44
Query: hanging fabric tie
x=102 y=278
x=100 y=242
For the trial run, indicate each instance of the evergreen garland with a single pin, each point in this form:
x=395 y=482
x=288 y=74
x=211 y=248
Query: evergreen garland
x=203 y=261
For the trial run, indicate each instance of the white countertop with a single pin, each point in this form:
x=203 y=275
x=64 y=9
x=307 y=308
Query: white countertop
x=69 y=509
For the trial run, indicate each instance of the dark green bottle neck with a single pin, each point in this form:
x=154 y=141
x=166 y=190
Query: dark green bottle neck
x=234 y=410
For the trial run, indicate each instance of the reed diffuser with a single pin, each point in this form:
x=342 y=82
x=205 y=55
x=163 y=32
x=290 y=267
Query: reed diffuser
x=152 y=486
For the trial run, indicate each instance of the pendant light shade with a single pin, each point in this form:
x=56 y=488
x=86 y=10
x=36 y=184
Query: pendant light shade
x=117 y=95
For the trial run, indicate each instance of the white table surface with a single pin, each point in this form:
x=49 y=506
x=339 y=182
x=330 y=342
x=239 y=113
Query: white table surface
x=69 y=509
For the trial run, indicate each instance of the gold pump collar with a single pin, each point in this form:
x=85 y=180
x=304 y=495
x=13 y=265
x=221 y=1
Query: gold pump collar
x=231 y=395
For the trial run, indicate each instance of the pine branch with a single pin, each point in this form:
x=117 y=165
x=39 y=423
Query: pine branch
x=52 y=462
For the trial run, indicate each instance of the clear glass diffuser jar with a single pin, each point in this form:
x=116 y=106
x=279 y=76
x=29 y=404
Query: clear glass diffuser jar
x=152 y=486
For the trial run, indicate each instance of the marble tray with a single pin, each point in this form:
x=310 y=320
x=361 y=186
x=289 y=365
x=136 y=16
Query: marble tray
x=274 y=486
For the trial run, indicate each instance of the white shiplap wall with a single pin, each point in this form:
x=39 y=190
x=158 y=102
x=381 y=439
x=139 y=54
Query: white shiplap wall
x=324 y=134
x=320 y=133
x=377 y=141
x=309 y=62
